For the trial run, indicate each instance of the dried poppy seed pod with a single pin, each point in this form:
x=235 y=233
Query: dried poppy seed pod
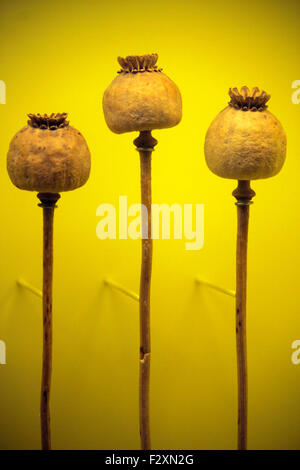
x=141 y=97
x=245 y=141
x=48 y=155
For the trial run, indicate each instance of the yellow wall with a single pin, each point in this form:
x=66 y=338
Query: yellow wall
x=60 y=56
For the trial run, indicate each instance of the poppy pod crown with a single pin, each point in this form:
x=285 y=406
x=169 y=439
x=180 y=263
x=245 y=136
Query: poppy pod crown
x=141 y=97
x=48 y=155
x=139 y=63
x=247 y=100
x=45 y=121
x=245 y=141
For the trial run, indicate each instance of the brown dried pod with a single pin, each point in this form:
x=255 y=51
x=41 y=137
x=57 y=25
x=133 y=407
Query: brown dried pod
x=48 y=155
x=245 y=141
x=141 y=97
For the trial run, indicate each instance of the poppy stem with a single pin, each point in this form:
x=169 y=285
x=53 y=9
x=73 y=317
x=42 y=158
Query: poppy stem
x=48 y=201
x=243 y=193
x=145 y=145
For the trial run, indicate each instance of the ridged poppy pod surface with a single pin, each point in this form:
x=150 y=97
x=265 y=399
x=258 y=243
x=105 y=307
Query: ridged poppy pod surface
x=245 y=141
x=141 y=97
x=48 y=155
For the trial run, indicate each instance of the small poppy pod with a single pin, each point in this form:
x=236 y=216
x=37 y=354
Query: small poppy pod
x=245 y=141
x=141 y=97
x=48 y=155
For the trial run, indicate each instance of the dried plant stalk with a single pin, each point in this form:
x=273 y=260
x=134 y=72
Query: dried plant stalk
x=48 y=156
x=145 y=281
x=244 y=142
x=243 y=194
x=48 y=204
x=142 y=98
x=145 y=143
x=241 y=339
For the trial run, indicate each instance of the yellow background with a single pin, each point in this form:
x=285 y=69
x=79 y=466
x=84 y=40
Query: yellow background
x=60 y=56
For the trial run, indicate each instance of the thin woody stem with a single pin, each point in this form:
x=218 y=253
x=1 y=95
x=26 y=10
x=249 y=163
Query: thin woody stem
x=145 y=143
x=145 y=284
x=48 y=204
x=243 y=194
